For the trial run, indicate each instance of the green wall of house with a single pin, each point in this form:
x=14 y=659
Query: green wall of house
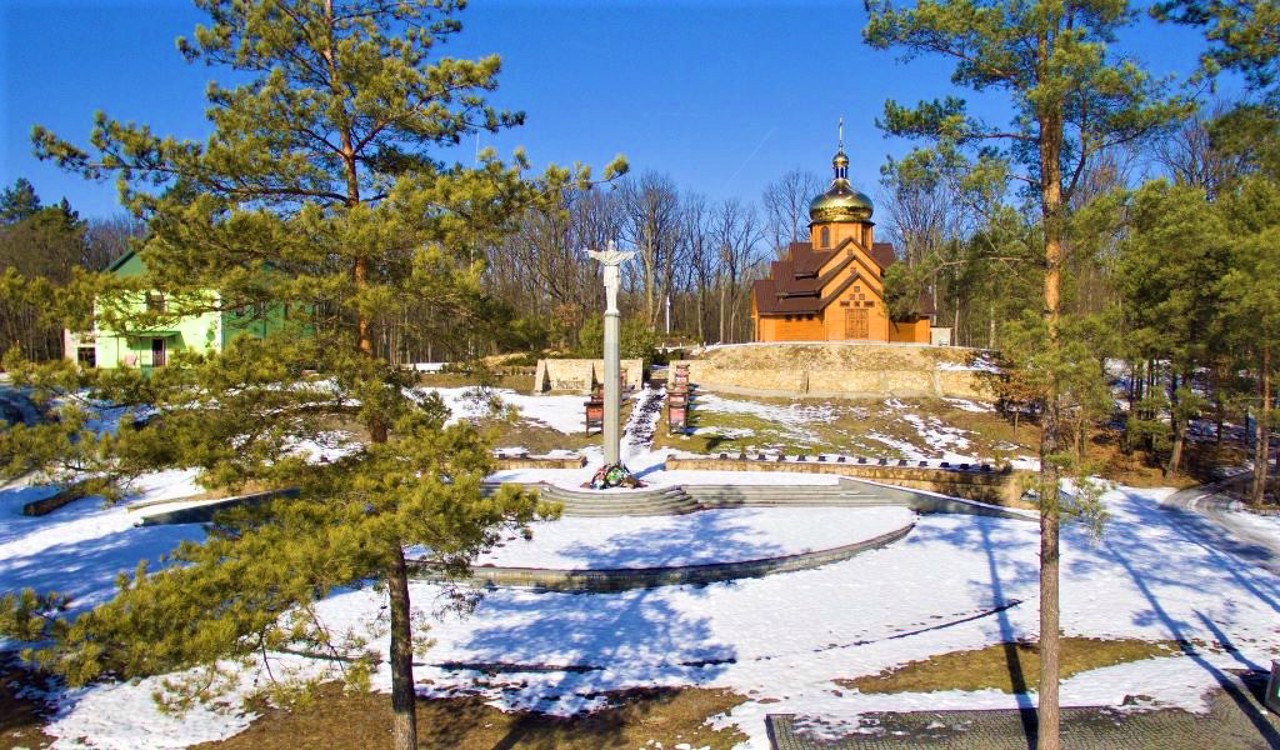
x=198 y=333
x=204 y=333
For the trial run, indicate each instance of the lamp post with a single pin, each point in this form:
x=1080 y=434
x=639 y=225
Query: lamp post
x=612 y=259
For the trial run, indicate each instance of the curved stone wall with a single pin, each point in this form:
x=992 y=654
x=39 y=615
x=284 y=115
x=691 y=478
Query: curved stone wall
x=624 y=579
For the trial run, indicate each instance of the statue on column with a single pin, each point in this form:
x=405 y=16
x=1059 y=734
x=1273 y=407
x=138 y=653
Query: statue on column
x=613 y=473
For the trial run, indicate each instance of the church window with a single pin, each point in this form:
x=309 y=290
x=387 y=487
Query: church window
x=825 y=237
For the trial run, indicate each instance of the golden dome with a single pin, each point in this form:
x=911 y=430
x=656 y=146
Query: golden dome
x=841 y=202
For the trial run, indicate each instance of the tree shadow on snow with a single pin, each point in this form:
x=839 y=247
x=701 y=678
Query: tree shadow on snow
x=1143 y=548
x=552 y=651
x=999 y=540
x=86 y=569
x=695 y=539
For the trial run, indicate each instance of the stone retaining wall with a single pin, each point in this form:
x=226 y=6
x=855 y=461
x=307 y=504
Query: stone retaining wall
x=844 y=370
x=998 y=487
x=540 y=462
x=578 y=375
x=840 y=383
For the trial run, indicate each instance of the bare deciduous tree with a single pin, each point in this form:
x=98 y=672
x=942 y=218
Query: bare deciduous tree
x=786 y=207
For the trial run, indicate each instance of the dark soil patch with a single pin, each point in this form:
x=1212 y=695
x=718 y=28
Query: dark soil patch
x=336 y=721
x=22 y=717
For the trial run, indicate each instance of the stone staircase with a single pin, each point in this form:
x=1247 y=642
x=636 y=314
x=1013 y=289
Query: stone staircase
x=691 y=498
x=657 y=501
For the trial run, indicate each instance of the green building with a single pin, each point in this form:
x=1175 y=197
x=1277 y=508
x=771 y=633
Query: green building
x=201 y=333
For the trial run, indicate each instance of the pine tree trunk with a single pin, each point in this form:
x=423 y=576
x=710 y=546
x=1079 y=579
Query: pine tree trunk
x=404 y=728
x=1048 y=711
x=1048 y=736
x=1219 y=405
x=1262 y=430
x=1179 y=423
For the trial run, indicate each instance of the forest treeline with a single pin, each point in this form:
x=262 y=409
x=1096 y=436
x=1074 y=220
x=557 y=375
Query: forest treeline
x=41 y=248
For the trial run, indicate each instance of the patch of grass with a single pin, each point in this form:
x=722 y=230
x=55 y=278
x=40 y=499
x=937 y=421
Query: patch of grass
x=337 y=721
x=849 y=429
x=726 y=433
x=1008 y=667
x=517 y=383
x=536 y=438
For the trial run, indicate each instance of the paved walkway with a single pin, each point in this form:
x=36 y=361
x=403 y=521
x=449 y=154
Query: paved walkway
x=1237 y=719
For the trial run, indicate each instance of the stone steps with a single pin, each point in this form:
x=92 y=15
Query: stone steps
x=681 y=500
x=666 y=501
x=693 y=498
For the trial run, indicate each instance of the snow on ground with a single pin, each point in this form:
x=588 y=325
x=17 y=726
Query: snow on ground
x=971 y=406
x=904 y=448
x=980 y=363
x=787 y=637
x=650 y=542
x=941 y=437
x=79 y=549
x=563 y=413
x=124 y=717
x=793 y=418
x=781 y=640
x=1268 y=525
x=955 y=582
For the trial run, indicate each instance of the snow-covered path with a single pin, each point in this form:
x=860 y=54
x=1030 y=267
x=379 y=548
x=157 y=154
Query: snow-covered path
x=1203 y=513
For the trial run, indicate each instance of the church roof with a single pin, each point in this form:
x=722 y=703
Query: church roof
x=795 y=287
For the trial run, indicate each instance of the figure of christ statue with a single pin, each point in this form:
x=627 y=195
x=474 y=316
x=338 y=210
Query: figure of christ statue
x=611 y=258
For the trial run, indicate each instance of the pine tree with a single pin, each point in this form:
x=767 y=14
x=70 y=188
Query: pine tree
x=319 y=210
x=1243 y=38
x=1251 y=291
x=40 y=248
x=1168 y=271
x=1073 y=100
x=18 y=202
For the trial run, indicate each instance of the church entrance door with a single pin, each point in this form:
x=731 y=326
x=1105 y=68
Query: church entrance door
x=856 y=325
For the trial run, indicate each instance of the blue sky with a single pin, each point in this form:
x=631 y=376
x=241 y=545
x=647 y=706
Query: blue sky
x=722 y=96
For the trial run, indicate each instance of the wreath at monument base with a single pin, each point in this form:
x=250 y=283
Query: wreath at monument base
x=613 y=475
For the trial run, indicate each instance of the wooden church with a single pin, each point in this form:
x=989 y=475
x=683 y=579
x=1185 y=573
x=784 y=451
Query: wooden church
x=831 y=288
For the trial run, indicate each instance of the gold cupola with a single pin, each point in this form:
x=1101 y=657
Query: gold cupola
x=841 y=203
